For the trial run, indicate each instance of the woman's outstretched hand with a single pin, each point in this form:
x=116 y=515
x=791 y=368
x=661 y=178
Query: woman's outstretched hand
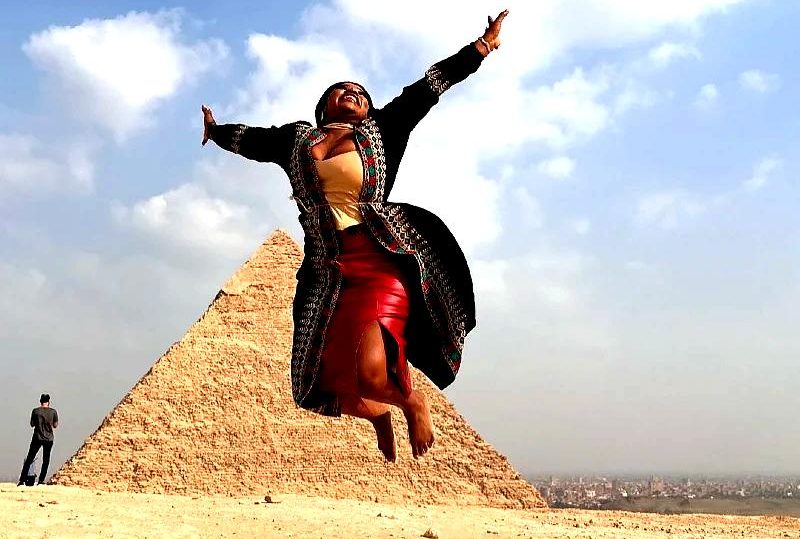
x=492 y=33
x=208 y=120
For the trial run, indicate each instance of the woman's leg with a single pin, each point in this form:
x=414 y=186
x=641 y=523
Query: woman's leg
x=340 y=380
x=375 y=383
x=379 y=415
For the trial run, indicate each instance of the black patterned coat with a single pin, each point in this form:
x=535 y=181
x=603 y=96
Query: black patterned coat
x=442 y=304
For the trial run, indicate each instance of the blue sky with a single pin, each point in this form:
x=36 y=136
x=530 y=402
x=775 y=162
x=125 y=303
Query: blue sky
x=624 y=189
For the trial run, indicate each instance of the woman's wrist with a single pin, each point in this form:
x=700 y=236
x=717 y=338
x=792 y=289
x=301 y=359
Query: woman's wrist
x=483 y=46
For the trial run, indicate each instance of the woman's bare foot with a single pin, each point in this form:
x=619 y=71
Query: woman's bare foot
x=420 y=427
x=385 y=434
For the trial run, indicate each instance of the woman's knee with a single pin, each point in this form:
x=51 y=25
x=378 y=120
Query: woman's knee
x=372 y=375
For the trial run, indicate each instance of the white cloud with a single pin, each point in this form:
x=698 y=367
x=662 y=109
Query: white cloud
x=634 y=97
x=28 y=165
x=290 y=76
x=758 y=81
x=188 y=217
x=115 y=71
x=540 y=295
x=761 y=173
x=666 y=53
x=559 y=168
x=544 y=29
x=566 y=112
x=668 y=209
x=707 y=97
x=553 y=279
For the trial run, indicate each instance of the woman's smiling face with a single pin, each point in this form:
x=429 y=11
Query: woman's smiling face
x=346 y=101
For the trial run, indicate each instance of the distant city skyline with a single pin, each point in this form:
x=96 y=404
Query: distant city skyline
x=754 y=495
x=625 y=193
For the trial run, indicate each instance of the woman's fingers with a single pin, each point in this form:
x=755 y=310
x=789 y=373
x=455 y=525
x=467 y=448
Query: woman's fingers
x=495 y=23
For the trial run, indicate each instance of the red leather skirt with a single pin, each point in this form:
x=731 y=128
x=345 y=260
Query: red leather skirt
x=374 y=289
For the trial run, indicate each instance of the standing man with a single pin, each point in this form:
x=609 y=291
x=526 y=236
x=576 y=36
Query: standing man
x=43 y=420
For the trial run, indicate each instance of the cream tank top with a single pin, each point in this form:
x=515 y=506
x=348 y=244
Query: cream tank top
x=341 y=177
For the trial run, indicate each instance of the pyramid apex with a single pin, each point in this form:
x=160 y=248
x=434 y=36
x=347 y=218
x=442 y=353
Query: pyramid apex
x=278 y=250
x=278 y=233
x=280 y=237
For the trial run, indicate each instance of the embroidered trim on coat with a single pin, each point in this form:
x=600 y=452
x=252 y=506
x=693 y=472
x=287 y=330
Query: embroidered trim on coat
x=236 y=138
x=444 y=304
x=317 y=299
x=370 y=146
x=437 y=81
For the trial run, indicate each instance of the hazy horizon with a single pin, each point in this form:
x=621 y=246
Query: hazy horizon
x=621 y=176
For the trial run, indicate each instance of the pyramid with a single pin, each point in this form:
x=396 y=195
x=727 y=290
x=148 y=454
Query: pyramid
x=215 y=416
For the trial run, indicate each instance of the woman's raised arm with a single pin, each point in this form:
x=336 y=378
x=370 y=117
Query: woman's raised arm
x=265 y=144
x=417 y=99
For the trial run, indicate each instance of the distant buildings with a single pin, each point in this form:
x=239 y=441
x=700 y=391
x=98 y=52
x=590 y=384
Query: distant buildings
x=600 y=492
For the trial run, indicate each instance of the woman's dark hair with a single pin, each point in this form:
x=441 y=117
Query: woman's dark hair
x=323 y=101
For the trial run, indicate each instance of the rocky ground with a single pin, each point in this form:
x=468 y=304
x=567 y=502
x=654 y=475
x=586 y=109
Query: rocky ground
x=57 y=511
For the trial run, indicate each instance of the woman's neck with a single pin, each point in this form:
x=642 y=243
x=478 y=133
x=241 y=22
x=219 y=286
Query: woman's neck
x=352 y=119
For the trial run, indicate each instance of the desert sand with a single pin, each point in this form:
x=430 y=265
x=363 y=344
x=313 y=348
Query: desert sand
x=56 y=511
